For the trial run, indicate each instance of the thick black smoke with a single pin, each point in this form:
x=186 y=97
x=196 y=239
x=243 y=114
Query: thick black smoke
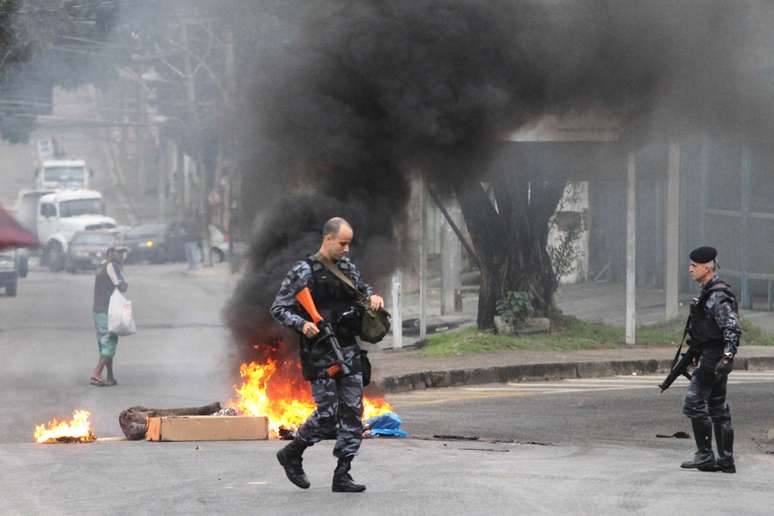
x=374 y=90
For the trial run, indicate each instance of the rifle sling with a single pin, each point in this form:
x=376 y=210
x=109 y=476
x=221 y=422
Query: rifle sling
x=339 y=274
x=682 y=341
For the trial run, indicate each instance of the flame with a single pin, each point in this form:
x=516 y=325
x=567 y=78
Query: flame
x=286 y=404
x=373 y=407
x=76 y=430
x=278 y=391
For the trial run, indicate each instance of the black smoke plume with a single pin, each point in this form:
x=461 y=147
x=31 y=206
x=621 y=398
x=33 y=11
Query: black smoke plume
x=372 y=91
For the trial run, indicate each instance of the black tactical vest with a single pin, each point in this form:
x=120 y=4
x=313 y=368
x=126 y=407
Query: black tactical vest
x=332 y=298
x=704 y=330
x=330 y=295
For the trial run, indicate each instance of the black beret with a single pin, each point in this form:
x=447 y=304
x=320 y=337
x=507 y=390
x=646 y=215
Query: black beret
x=703 y=254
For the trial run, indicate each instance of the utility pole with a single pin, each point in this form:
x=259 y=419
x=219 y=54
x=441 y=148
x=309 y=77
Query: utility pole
x=229 y=201
x=141 y=142
x=198 y=158
x=631 y=248
x=671 y=288
x=422 y=261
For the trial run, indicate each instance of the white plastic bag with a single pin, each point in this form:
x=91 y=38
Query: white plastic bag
x=120 y=318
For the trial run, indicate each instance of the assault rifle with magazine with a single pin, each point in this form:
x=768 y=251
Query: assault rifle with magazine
x=682 y=361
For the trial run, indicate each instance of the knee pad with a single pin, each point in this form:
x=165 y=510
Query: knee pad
x=719 y=412
x=694 y=407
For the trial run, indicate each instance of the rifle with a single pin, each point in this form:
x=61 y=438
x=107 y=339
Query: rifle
x=680 y=363
x=680 y=367
x=304 y=298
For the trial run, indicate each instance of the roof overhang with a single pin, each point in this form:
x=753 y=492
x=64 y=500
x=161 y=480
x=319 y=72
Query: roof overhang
x=573 y=127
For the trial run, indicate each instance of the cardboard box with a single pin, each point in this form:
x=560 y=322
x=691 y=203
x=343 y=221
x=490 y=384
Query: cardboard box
x=207 y=428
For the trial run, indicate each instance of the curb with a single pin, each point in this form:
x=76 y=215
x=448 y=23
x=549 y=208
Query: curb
x=536 y=372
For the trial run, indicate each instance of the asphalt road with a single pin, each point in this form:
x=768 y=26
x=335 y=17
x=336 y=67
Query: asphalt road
x=403 y=477
x=179 y=356
x=621 y=410
x=595 y=452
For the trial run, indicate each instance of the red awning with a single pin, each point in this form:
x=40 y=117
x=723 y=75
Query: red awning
x=12 y=234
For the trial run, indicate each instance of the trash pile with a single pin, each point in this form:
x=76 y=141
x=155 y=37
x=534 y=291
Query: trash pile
x=384 y=425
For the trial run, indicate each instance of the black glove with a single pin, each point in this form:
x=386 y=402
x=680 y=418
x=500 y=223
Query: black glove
x=725 y=366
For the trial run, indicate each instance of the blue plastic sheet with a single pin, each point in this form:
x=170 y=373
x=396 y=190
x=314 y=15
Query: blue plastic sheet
x=386 y=425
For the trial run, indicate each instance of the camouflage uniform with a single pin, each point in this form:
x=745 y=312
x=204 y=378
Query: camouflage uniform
x=339 y=400
x=715 y=327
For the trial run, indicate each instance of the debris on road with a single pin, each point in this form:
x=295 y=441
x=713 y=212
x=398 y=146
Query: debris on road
x=384 y=425
x=134 y=420
x=208 y=428
x=676 y=435
x=485 y=449
x=456 y=437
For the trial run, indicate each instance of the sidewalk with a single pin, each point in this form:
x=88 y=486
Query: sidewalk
x=406 y=369
x=397 y=371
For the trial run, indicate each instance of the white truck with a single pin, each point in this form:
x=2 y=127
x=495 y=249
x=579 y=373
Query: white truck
x=60 y=214
x=59 y=174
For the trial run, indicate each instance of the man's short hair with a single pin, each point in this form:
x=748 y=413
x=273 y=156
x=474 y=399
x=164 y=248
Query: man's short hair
x=332 y=226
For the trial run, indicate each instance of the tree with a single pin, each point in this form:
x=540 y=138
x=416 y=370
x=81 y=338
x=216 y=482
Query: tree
x=373 y=92
x=509 y=226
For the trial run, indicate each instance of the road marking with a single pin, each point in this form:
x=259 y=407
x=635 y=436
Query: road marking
x=568 y=386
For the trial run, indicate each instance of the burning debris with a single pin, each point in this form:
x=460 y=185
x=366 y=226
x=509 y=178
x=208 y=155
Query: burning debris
x=277 y=390
x=274 y=389
x=226 y=412
x=286 y=401
x=77 y=430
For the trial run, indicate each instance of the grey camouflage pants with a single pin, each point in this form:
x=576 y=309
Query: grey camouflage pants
x=706 y=396
x=339 y=400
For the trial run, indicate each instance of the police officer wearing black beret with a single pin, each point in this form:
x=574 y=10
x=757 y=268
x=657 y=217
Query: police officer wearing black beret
x=714 y=327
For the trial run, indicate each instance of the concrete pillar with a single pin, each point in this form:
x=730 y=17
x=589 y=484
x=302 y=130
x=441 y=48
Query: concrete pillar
x=744 y=237
x=397 y=319
x=422 y=261
x=188 y=165
x=631 y=248
x=672 y=231
x=451 y=261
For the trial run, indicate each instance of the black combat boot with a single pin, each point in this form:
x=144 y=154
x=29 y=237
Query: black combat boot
x=724 y=439
x=702 y=433
x=342 y=480
x=290 y=458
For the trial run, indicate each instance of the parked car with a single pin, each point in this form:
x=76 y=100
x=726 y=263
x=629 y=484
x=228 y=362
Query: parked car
x=220 y=243
x=157 y=243
x=9 y=275
x=87 y=249
x=160 y=243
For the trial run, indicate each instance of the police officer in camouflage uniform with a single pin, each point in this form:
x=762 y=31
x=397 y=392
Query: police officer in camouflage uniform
x=714 y=326
x=339 y=397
